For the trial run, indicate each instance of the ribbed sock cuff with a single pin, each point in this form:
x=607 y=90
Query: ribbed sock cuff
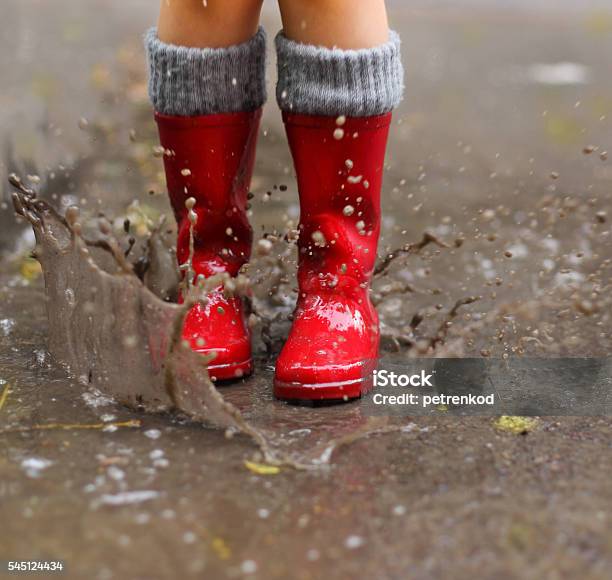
x=200 y=81
x=328 y=81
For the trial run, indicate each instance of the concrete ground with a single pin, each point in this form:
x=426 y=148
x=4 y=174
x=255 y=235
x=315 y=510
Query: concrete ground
x=500 y=144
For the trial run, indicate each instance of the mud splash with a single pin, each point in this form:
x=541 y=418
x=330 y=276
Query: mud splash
x=114 y=333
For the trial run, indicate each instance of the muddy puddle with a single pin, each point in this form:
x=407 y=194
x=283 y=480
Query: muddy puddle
x=109 y=286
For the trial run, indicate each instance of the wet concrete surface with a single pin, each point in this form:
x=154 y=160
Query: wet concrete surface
x=491 y=153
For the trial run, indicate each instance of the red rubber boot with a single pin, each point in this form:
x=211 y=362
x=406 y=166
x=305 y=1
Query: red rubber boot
x=333 y=344
x=210 y=158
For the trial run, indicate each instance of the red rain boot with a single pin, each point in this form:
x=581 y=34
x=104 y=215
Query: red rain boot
x=210 y=158
x=333 y=344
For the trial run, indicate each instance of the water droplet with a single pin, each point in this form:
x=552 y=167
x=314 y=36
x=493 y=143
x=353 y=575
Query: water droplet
x=152 y=433
x=249 y=567
x=70 y=298
x=319 y=239
x=353 y=542
x=264 y=247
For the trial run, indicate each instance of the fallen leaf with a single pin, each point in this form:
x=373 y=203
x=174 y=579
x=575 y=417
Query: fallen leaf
x=262 y=468
x=516 y=425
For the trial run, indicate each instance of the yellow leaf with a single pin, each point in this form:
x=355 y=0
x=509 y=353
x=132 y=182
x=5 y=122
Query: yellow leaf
x=221 y=548
x=516 y=425
x=562 y=129
x=262 y=468
x=4 y=396
x=132 y=423
x=599 y=23
x=30 y=269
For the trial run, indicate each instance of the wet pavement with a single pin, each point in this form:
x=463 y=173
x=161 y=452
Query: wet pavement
x=499 y=151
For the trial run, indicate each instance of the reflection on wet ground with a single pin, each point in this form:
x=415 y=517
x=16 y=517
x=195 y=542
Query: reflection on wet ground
x=499 y=153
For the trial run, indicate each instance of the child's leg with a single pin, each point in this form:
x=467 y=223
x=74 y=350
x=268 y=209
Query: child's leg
x=344 y=24
x=339 y=77
x=207 y=85
x=210 y=23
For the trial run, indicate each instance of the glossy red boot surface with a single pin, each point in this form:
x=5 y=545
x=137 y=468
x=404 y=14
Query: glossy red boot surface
x=332 y=348
x=210 y=158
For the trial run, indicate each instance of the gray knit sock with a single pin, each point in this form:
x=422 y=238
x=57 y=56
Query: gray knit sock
x=200 y=81
x=325 y=81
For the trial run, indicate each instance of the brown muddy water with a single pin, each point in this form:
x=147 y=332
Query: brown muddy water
x=497 y=160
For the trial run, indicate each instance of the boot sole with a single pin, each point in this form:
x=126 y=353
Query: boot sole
x=323 y=393
x=230 y=371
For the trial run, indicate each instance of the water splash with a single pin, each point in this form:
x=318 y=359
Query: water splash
x=115 y=335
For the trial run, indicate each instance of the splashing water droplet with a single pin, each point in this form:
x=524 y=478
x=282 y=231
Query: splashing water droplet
x=70 y=296
x=264 y=247
x=319 y=239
